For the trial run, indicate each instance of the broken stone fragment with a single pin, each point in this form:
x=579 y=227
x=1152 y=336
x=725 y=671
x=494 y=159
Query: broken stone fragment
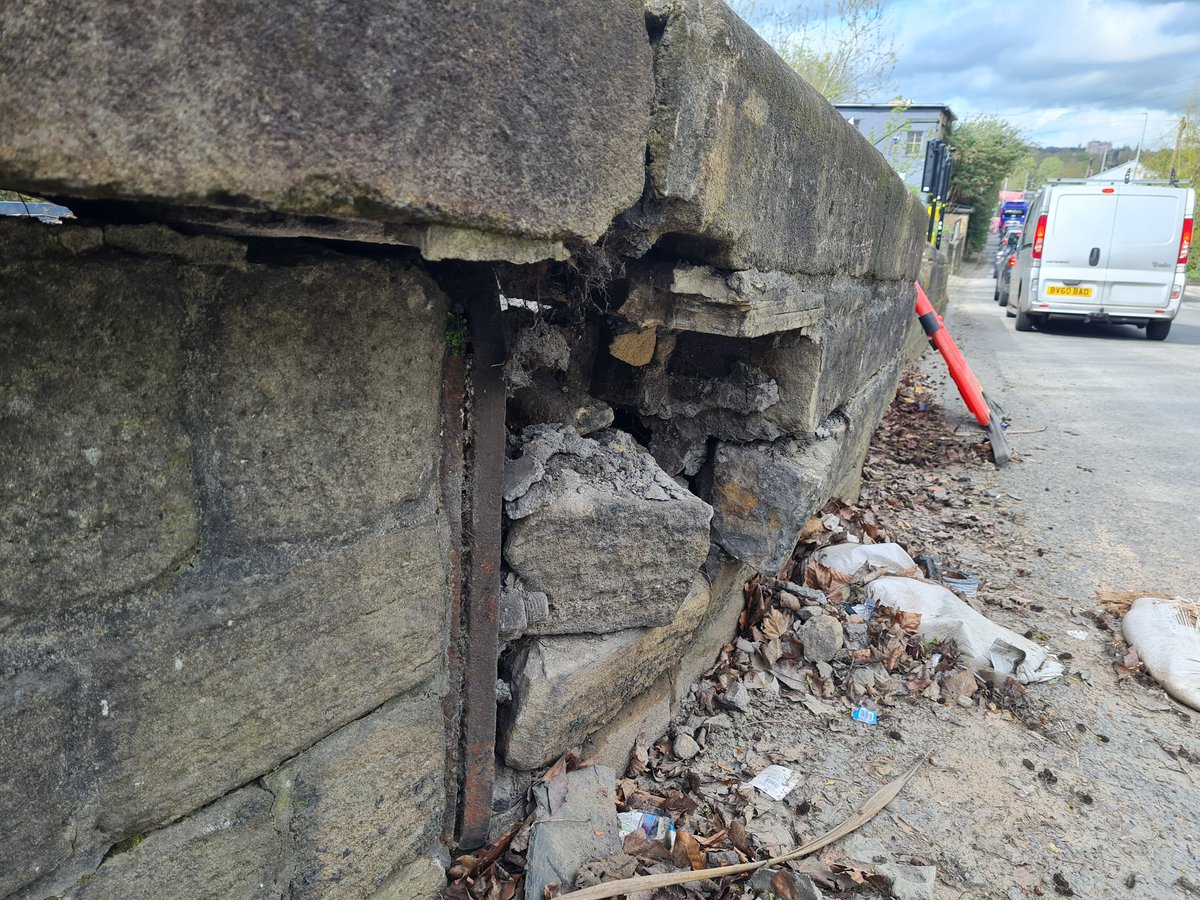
x=634 y=347
x=575 y=821
x=610 y=539
x=736 y=697
x=567 y=687
x=686 y=746
x=519 y=607
x=546 y=401
x=821 y=637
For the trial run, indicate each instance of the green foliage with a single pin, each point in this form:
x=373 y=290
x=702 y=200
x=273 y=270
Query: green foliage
x=1184 y=157
x=987 y=148
x=845 y=49
x=456 y=332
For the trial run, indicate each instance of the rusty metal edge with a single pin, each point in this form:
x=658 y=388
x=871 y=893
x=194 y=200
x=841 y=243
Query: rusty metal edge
x=483 y=567
x=453 y=413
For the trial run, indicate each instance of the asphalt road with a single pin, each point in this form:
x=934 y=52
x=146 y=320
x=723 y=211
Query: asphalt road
x=1107 y=425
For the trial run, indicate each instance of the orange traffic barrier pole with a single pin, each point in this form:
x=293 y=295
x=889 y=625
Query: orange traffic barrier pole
x=981 y=407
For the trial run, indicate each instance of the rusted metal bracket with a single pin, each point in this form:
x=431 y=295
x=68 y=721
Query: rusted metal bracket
x=483 y=566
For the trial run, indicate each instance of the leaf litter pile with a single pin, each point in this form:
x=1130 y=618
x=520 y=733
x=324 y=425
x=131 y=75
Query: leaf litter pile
x=699 y=775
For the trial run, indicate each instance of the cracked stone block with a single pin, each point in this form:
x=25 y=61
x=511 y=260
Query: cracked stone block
x=227 y=849
x=167 y=701
x=825 y=367
x=570 y=830
x=365 y=800
x=762 y=494
x=750 y=168
x=507 y=119
x=644 y=717
x=565 y=688
x=601 y=500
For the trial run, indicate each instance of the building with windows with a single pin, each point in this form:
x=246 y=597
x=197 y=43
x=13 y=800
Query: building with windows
x=900 y=131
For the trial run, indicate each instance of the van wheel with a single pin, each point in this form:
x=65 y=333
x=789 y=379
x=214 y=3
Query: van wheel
x=1158 y=329
x=1003 y=300
x=1024 y=321
x=996 y=295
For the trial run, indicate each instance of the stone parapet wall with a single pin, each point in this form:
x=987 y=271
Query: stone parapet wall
x=240 y=422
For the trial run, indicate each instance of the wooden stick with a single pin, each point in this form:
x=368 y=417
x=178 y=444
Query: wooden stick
x=862 y=816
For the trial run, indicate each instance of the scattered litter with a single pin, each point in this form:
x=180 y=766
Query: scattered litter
x=656 y=826
x=1166 y=636
x=867 y=716
x=962 y=582
x=1078 y=635
x=776 y=781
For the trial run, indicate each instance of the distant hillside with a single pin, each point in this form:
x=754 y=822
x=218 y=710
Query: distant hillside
x=1044 y=163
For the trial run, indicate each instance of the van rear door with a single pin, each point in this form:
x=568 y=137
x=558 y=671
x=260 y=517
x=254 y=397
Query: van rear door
x=1145 y=246
x=1079 y=228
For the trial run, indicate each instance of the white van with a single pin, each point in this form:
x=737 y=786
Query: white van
x=1102 y=251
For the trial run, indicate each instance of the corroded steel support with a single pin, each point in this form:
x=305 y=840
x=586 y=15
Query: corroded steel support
x=483 y=566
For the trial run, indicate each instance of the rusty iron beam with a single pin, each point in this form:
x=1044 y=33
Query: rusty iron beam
x=482 y=637
x=453 y=408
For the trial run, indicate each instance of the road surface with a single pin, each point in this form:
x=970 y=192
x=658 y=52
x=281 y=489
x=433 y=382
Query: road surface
x=1108 y=427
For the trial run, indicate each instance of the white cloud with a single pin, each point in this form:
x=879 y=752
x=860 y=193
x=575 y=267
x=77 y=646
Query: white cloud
x=1067 y=71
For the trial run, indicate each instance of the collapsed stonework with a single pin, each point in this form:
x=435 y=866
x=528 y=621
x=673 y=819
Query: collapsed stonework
x=244 y=433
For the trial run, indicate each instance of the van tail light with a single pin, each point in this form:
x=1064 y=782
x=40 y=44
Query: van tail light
x=1185 y=241
x=1039 y=235
x=1012 y=261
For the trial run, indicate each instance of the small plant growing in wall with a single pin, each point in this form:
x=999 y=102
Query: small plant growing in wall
x=456 y=332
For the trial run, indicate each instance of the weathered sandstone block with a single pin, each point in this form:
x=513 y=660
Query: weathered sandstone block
x=763 y=493
x=566 y=687
x=752 y=169
x=610 y=539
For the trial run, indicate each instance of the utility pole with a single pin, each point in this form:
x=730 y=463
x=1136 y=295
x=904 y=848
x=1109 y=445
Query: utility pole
x=1138 y=156
x=1178 y=140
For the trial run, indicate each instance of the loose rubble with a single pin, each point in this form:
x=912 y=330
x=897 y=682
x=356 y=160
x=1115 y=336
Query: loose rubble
x=781 y=696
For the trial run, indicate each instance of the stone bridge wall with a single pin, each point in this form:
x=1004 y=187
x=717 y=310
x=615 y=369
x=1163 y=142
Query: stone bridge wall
x=242 y=436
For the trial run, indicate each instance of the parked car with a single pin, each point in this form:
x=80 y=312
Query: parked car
x=1099 y=251
x=1008 y=245
x=1006 y=261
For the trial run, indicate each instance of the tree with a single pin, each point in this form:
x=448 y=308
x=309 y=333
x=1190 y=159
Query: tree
x=986 y=149
x=1184 y=158
x=1048 y=168
x=843 y=48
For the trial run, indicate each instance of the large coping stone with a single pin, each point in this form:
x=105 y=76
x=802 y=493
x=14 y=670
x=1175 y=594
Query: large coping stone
x=521 y=118
x=750 y=168
x=565 y=688
x=763 y=493
x=364 y=801
x=599 y=528
x=227 y=849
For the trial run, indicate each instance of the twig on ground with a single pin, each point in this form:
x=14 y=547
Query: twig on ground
x=874 y=804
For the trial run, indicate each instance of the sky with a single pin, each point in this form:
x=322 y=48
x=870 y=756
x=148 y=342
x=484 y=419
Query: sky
x=1064 y=71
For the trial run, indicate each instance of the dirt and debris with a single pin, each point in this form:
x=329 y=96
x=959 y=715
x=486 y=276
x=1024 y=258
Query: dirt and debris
x=1052 y=789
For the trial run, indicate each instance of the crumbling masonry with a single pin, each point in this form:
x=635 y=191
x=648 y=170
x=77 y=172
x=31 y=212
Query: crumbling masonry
x=408 y=404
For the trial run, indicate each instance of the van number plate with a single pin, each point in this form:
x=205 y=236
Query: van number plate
x=1062 y=290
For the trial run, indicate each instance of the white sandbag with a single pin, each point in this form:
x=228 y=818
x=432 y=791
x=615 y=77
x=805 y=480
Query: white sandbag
x=849 y=558
x=980 y=640
x=1168 y=643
